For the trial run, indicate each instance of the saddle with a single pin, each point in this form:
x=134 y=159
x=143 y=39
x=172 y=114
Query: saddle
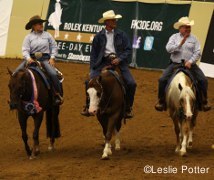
x=36 y=66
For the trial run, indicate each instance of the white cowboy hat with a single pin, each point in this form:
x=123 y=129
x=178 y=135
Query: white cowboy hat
x=109 y=15
x=184 y=21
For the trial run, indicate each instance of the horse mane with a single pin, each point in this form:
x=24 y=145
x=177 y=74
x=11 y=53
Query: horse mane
x=174 y=93
x=188 y=90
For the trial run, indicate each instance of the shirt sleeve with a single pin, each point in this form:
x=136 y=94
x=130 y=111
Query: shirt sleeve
x=196 y=52
x=26 y=47
x=53 y=46
x=173 y=46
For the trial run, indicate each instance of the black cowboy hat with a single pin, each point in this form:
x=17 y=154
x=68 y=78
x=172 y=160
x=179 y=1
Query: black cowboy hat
x=34 y=20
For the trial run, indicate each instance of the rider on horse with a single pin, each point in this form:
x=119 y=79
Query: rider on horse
x=183 y=46
x=41 y=42
x=107 y=41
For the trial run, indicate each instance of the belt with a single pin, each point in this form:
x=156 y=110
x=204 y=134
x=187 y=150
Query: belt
x=40 y=55
x=43 y=54
x=182 y=61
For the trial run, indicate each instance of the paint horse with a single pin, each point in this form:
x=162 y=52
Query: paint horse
x=182 y=106
x=107 y=101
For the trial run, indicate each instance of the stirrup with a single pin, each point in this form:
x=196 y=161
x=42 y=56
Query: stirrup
x=206 y=107
x=58 y=100
x=160 y=107
x=129 y=114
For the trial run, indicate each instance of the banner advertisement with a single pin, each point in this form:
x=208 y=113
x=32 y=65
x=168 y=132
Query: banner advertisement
x=149 y=26
x=207 y=60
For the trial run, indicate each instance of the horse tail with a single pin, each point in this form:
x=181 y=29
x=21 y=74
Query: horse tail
x=52 y=122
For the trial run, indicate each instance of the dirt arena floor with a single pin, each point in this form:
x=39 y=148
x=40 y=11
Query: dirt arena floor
x=147 y=140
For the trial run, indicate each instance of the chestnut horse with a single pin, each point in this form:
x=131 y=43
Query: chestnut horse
x=107 y=101
x=21 y=91
x=182 y=106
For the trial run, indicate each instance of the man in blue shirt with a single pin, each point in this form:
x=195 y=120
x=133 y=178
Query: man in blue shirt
x=183 y=46
x=107 y=41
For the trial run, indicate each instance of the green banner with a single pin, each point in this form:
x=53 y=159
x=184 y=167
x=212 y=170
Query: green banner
x=73 y=23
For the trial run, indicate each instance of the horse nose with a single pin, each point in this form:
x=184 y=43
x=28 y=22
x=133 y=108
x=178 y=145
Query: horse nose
x=12 y=105
x=92 y=111
x=188 y=116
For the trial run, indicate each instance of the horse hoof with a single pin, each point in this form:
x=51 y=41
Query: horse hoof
x=183 y=154
x=105 y=157
x=177 y=150
x=117 y=148
x=189 y=146
x=51 y=148
x=32 y=157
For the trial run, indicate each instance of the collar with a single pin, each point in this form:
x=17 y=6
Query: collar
x=37 y=33
x=112 y=31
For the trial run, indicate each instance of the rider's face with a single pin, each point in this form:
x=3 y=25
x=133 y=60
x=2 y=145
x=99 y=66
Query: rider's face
x=185 y=30
x=38 y=27
x=111 y=23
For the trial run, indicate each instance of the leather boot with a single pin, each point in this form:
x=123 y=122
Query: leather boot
x=205 y=106
x=58 y=100
x=160 y=106
x=129 y=113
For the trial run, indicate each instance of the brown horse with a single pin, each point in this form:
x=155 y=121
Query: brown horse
x=107 y=101
x=181 y=102
x=21 y=91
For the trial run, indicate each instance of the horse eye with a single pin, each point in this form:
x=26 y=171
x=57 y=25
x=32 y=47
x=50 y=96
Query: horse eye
x=98 y=94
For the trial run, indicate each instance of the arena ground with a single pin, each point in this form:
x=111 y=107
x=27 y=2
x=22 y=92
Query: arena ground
x=147 y=139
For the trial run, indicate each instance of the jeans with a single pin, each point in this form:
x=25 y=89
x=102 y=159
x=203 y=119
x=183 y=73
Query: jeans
x=195 y=71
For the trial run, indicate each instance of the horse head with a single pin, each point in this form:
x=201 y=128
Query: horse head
x=95 y=92
x=18 y=87
x=187 y=100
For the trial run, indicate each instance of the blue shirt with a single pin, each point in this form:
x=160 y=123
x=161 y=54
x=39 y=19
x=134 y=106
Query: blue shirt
x=39 y=42
x=110 y=43
x=189 y=51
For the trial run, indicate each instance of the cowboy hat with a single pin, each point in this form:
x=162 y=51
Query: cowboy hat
x=34 y=20
x=109 y=15
x=184 y=21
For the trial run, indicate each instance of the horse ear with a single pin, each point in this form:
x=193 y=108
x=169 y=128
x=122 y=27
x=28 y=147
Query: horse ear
x=180 y=87
x=9 y=71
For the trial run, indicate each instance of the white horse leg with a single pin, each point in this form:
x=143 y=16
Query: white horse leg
x=183 y=146
x=107 y=151
x=51 y=145
x=189 y=143
x=177 y=133
x=117 y=140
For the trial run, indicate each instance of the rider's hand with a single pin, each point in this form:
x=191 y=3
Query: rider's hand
x=184 y=39
x=29 y=61
x=188 y=64
x=51 y=61
x=115 y=61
